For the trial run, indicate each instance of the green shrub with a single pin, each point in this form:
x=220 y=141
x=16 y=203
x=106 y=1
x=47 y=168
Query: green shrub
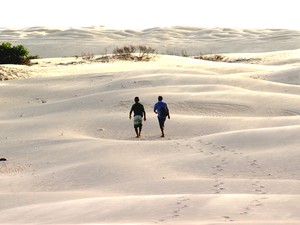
x=14 y=54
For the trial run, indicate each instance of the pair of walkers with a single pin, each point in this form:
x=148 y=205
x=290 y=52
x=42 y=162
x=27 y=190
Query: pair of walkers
x=160 y=108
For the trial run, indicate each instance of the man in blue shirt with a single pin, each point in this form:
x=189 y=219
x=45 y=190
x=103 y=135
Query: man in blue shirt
x=162 y=111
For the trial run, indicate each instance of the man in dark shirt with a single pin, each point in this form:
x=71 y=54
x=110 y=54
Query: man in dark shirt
x=138 y=114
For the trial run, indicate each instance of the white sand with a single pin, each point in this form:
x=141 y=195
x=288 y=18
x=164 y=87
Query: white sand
x=230 y=155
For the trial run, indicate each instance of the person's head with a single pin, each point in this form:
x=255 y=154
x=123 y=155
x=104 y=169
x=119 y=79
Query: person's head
x=160 y=98
x=136 y=99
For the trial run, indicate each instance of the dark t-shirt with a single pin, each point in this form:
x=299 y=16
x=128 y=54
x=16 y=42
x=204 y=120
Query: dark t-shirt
x=138 y=109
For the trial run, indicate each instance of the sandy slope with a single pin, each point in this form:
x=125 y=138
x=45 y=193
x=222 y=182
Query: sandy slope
x=230 y=156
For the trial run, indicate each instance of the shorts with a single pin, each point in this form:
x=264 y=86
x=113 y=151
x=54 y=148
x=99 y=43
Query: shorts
x=161 y=122
x=137 y=121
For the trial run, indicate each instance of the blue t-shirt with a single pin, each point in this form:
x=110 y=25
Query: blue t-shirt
x=158 y=106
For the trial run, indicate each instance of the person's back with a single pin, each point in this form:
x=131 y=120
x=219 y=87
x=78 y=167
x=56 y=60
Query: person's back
x=138 y=109
x=159 y=106
x=138 y=114
x=161 y=115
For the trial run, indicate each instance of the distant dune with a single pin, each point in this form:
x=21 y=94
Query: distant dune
x=50 y=42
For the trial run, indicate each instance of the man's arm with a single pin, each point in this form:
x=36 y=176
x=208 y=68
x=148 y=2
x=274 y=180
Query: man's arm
x=168 y=112
x=155 y=108
x=130 y=113
x=144 y=114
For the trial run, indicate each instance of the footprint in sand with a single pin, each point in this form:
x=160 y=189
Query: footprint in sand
x=218 y=187
x=252 y=164
x=6 y=168
x=180 y=205
x=227 y=218
x=258 y=188
x=224 y=161
x=251 y=207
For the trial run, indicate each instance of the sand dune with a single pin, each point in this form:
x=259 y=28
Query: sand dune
x=169 y=40
x=231 y=151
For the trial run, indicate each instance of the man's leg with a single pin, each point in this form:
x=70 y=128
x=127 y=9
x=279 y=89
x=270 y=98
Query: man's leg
x=161 y=125
x=162 y=132
x=140 y=130
x=136 y=131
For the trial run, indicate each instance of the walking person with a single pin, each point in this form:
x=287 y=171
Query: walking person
x=162 y=111
x=138 y=115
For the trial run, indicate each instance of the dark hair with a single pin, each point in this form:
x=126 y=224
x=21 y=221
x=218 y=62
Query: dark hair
x=136 y=99
x=160 y=98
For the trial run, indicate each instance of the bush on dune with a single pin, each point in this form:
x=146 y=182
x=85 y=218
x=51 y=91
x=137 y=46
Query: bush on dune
x=214 y=58
x=222 y=58
x=134 y=53
x=14 y=54
x=130 y=53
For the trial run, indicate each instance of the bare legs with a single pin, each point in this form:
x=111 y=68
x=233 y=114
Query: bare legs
x=162 y=132
x=138 y=131
x=162 y=125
